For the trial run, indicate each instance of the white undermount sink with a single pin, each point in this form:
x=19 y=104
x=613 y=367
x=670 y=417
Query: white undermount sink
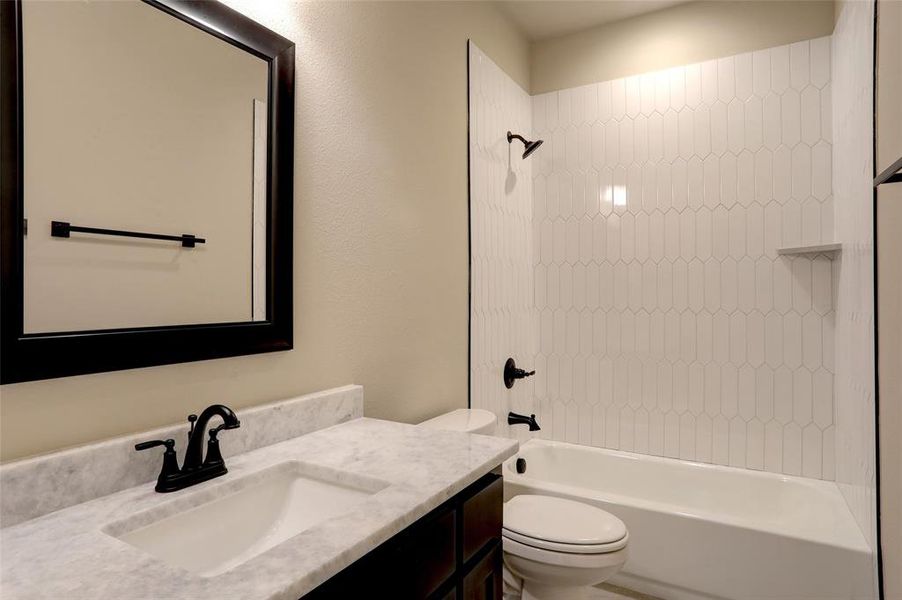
x=254 y=514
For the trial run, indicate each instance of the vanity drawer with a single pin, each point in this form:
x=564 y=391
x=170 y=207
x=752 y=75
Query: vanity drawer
x=481 y=514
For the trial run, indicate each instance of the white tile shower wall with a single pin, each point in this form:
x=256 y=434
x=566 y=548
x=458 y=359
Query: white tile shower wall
x=668 y=324
x=502 y=312
x=853 y=168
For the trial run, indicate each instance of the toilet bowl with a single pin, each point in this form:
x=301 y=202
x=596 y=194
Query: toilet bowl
x=559 y=548
x=554 y=548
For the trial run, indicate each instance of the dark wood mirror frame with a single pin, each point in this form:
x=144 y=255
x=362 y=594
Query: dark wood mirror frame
x=28 y=357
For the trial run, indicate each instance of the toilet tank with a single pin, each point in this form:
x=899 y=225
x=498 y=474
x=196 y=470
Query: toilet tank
x=468 y=420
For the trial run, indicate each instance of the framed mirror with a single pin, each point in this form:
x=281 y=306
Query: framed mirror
x=146 y=150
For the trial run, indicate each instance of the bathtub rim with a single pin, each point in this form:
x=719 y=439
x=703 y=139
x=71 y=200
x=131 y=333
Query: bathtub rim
x=852 y=539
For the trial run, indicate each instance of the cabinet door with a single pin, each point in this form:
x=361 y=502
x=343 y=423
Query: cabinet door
x=410 y=566
x=483 y=582
x=451 y=595
x=426 y=559
x=482 y=517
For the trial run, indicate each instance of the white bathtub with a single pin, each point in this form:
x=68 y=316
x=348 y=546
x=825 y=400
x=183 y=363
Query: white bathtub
x=705 y=531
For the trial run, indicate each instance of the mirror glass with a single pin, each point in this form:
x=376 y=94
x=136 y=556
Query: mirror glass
x=136 y=121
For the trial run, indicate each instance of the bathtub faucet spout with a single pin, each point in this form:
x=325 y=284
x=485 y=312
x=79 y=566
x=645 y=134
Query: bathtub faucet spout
x=515 y=419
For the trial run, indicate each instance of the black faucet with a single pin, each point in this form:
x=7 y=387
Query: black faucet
x=196 y=467
x=515 y=419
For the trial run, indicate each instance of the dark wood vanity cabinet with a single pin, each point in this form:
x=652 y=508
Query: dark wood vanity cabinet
x=453 y=553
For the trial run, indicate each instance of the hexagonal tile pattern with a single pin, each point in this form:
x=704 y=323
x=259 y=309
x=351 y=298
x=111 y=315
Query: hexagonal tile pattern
x=663 y=319
x=852 y=439
x=525 y=280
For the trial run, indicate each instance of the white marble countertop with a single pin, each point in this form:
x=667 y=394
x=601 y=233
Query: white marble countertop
x=65 y=554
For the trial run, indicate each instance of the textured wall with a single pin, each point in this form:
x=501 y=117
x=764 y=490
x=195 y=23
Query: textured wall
x=502 y=311
x=889 y=290
x=853 y=180
x=889 y=248
x=380 y=232
x=687 y=33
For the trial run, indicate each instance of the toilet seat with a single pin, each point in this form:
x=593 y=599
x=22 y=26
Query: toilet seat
x=559 y=525
x=550 y=546
x=564 y=559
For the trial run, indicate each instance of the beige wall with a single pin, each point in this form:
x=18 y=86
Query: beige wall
x=889 y=84
x=889 y=277
x=889 y=288
x=684 y=34
x=381 y=233
x=107 y=110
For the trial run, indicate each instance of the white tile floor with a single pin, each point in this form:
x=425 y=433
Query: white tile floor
x=603 y=592
x=611 y=592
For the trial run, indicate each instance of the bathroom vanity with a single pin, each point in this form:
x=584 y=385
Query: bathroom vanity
x=358 y=508
x=453 y=552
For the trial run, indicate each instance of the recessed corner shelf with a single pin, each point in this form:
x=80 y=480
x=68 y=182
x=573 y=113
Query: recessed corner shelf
x=829 y=250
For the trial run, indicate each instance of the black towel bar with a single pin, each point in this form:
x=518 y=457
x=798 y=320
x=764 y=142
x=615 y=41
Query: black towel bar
x=63 y=229
x=892 y=174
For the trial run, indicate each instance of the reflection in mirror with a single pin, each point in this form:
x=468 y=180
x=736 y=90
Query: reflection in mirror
x=137 y=121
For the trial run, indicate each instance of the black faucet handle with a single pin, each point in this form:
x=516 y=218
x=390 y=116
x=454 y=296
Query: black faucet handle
x=170 y=470
x=512 y=373
x=215 y=431
x=170 y=444
x=214 y=454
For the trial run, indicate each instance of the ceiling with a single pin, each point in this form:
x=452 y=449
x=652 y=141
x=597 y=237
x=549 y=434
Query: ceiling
x=541 y=19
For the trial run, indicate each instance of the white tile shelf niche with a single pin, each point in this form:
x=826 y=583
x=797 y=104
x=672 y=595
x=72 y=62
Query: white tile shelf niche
x=828 y=250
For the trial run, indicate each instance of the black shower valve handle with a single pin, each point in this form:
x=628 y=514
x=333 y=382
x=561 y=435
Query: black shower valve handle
x=512 y=373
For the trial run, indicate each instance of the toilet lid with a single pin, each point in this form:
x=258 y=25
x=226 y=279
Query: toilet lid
x=470 y=420
x=531 y=518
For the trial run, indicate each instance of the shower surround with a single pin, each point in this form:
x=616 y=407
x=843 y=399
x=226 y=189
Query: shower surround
x=665 y=322
x=668 y=324
x=640 y=274
x=502 y=312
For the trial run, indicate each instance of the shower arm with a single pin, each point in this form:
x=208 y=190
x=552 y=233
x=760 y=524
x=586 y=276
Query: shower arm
x=512 y=136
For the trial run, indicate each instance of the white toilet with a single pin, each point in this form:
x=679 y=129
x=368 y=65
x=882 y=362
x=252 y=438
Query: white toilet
x=560 y=548
x=554 y=549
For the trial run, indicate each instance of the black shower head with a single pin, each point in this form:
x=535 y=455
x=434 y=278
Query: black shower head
x=530 y=146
